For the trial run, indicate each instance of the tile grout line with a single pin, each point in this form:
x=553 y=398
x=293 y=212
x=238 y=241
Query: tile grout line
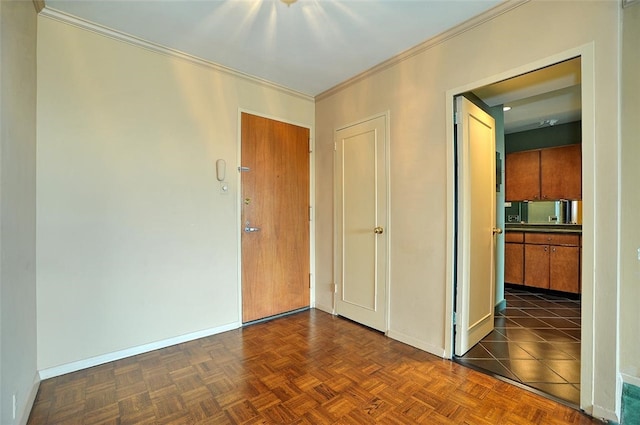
x=560 y=311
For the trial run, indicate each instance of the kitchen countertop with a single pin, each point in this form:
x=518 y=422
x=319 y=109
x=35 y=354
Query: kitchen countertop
x=543 y=228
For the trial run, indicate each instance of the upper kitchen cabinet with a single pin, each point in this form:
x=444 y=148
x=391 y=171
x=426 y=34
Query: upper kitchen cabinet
x=561 y=173
x=522 y=176
x=544 y=174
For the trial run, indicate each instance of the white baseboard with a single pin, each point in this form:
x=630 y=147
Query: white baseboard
x=604 y=413
x=630 y=379
x=31 y=398
x=414 y=342
x=117 y=355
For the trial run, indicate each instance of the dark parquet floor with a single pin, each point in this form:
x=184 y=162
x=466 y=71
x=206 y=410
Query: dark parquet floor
x=307 y=368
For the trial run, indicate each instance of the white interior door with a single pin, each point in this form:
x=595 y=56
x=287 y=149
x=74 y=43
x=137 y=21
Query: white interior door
x=361 y=223
x=475 y=282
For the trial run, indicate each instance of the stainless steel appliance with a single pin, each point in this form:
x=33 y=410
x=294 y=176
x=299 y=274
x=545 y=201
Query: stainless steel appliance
x=545 y=212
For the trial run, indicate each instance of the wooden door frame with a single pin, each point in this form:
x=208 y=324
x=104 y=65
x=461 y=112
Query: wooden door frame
x=312 y=196
x=586 y=53
x=387 y=226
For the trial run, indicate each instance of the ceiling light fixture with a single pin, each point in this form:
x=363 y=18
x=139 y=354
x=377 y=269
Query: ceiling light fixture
x=550 y=123
x=288 y=2
x=506 y=108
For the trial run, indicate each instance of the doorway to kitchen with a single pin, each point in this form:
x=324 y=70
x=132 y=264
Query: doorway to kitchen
x=537 y=334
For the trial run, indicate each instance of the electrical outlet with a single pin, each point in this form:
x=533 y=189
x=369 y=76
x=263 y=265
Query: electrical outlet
x=14 y=405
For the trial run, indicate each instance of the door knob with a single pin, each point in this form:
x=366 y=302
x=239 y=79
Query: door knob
x=497 y=231
x=378 y=230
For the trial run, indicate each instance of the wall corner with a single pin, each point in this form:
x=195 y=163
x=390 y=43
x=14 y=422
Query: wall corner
x=39 y=5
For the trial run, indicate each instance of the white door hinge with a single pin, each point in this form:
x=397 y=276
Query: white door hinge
x=310 y=213
x=310 y=145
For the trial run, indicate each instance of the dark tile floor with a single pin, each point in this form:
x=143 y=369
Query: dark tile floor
x=536 y=341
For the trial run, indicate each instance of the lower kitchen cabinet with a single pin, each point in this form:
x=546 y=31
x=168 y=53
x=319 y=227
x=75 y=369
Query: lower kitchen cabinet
x=564 y=269
x=536 y=266
x=552 y=261
x=514 y=263
x=514 y=258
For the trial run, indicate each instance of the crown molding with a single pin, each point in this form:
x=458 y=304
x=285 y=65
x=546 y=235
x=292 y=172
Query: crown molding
x=75 y=21
x=467 y=25
x=39 y=5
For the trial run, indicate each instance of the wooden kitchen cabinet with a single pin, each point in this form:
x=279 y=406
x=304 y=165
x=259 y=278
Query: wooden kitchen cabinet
x=564 y=269
x=544 y=174
x=522 y=176
x=552 y=261
x=514 y=258
x=561 y=173
x=536 y=266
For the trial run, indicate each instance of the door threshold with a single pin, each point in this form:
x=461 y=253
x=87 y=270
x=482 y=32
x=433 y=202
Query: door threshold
x=275 y=316
x=518 y=384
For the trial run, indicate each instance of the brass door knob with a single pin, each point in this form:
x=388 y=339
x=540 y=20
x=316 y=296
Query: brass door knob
x=378 y=230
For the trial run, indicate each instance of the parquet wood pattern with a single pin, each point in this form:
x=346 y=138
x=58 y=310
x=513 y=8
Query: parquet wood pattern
x=307 y=368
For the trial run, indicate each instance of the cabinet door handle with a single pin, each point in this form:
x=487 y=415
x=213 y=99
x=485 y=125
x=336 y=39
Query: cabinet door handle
x=553 y=249
x=545 y=248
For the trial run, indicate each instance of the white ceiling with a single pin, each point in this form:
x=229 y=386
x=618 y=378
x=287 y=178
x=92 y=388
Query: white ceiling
x=309 y=46
x=313 y=45
x=551 y=94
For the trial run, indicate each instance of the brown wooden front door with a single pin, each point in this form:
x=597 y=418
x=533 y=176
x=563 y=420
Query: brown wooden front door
x=275 y=217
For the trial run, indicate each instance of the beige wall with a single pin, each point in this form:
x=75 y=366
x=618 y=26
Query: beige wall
x=135 y=243
x=630 y=196
x=414 y=93
x=18 y=374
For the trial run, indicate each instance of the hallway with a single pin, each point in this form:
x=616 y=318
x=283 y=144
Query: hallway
x=536 y=341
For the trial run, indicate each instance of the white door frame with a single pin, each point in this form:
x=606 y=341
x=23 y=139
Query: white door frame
x=387 y=225
x=586 y=52
x=312 y=197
